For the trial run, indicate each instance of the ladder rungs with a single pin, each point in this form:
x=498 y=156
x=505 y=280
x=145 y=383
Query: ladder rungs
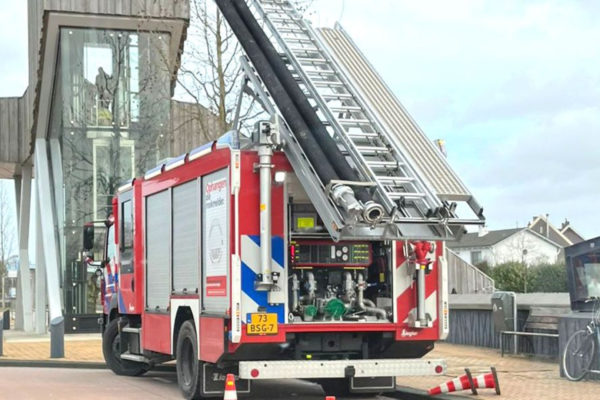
x=277 y=8
x=320 y=74
x=345 y=109
x=336 y=96
x=344 y=121
x=362 y=135
x=309 y=60
x=298 y=40
x=305 y=50
x=383 y=164
x=372 y=149
x=394 y=180
x=286 y=19
x=317 y=74
x=321 y=83
x=406 y=195
x=297 y=31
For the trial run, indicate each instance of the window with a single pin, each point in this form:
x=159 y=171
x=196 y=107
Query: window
x=111 y=248
x=126 y=238
x=126 y=226
x=476 y=257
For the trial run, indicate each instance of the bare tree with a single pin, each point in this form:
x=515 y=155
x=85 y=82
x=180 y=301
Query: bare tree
x=7 y=229
x=209 y=70
x=209 y=74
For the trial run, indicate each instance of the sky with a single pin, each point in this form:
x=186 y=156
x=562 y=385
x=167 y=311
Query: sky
x=513 y=87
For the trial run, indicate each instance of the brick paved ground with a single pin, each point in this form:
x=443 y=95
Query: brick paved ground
x=520 y=378
x=82 y=348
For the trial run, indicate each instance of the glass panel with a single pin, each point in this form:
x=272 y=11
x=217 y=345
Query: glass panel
x=586 y=275
x=111 y=247
x=127 y=226
x=110 y=111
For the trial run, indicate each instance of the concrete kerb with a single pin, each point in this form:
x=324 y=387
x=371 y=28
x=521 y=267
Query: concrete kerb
x=52 y=364
x=70 y=364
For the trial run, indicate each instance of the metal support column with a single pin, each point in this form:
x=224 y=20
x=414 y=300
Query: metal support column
x=18 y=309
x=48 y=221
x=40 y=272
x=25 y=313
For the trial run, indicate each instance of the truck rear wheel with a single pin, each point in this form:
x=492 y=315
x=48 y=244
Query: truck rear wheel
x=188 y=365
x=111 y=349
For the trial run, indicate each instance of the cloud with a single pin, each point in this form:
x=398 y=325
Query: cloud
x=549 y=168
x=13 y=47
x=512 y=86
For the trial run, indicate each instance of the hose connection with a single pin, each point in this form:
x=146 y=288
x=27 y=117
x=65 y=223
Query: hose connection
x=373 y=212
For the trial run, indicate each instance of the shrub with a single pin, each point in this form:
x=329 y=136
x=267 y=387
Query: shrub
x=549 y=278
x=512 y=276
x=484 y=267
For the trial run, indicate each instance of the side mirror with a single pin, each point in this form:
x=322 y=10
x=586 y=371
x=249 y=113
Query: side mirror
x=88 y=237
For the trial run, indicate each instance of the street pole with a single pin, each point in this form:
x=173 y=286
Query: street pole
x=524 y=253
x=1 y=332
x=3 y=282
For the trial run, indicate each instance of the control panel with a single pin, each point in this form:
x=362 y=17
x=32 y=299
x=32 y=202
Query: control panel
x=326 y=253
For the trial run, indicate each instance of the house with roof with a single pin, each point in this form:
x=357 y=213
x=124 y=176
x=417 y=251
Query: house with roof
x=539 y=242
x=565 y=236
x=507 y=245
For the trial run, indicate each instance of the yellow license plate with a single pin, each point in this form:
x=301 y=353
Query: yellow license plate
x=262 y=324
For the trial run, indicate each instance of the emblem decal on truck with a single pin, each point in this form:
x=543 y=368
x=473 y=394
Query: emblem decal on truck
x=406 y=333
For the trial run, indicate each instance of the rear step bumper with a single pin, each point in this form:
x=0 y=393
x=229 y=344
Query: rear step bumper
x=316 y=369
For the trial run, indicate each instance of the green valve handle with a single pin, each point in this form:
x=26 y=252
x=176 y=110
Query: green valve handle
x=310 y=311
x=336 y=308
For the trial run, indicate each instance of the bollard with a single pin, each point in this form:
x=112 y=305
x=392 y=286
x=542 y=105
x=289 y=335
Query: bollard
x=57 y=337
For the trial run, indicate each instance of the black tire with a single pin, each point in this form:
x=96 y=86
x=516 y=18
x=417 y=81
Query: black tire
x=111 y=340
x=578 y=355
x=188 y=365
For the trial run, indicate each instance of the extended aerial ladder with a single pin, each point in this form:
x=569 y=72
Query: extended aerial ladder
x=411 y=190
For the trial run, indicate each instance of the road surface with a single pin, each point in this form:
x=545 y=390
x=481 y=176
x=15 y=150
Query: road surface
x=65 y=384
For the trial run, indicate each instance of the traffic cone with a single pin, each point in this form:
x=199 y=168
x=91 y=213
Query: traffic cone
x=486 y=381
x=329 y=397
x=460 y=383
x=230 y=392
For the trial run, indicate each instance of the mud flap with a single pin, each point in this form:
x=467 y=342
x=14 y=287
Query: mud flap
x=213 y=381
x=372 y=384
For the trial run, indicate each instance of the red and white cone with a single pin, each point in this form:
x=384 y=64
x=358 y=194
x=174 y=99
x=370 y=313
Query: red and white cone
x=460 y=383
x=230 y=392
x=486 y=381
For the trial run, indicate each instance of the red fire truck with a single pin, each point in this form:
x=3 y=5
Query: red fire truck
x=313 y=250
x=184 y=282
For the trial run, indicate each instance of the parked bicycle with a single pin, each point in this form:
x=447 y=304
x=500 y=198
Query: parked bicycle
x=580 y=351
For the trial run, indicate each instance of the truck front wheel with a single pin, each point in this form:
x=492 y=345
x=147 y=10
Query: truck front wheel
x=188 y=365
x=111 y=348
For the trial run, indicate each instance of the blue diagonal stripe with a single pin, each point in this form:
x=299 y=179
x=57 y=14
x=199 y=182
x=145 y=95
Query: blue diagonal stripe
x=277 y=248
x=260 y=298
